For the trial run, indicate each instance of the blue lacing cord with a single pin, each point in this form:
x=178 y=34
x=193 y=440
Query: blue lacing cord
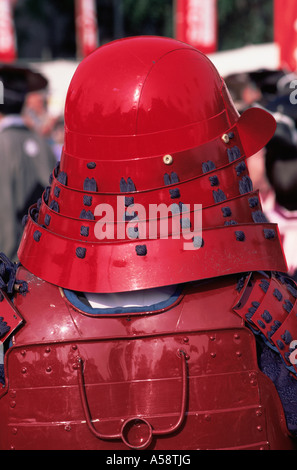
x=8 y=280
x=8 y=271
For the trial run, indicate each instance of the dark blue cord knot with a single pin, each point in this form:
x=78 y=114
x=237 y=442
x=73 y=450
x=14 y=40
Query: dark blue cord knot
x=266 y=316
x=24 y=220
x=47 y=219
x=46 y=194
x=261 y=324
x=259 y=217
x=174 y=193
x=292 y=290
x=264 y=284
x=87 y=215
x=226 y=211
x=87 y=200
x=141 y=250
x=239 y=235
x=127 y=186
x=171 y=179
x=240 y=168
x=230 y=222
x=269 y=233
x=62 y=178
x=214 y=180
x=185 y=222
x=233 y=153
x=253 y=202
x=218 y=195
x=84 y=231
x=54 y=206
x=57 y=169
x=129 y=201
x=91 y=165
x=208 y=166
x=198 y=241
x=280 y=344
x=90 y=184
x=57 y=191
x=37 y=235
x=245 y=185
x=80 y=252
x=287 y=337
x=288 y=305
x=4 y=328
x=278 y=295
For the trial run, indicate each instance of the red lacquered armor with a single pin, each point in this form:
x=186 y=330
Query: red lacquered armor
x=148 y=120
x=182 y=378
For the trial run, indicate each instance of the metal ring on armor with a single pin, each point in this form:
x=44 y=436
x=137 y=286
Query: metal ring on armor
x=144 y=434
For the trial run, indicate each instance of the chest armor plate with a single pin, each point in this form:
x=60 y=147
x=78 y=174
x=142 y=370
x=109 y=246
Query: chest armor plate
x=184 y=377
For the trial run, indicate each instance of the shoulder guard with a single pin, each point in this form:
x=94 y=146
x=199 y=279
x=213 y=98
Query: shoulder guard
x=10 y=318
x=268 y=304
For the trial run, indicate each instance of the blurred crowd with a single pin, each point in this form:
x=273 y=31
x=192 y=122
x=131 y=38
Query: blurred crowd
x=30 y=146
x=31 y=141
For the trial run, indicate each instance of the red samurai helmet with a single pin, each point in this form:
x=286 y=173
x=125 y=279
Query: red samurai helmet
x=149 y=123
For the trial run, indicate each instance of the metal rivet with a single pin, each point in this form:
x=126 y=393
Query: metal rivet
x=167 y=159
x=74 y=347
x=225 y=138
x=236 y=336
x=259 y=428
x=238 y=353
x=12 y=404
x=47 y=349
x=213 y=354
x=48 y=369
x=185 y=339
x=67 y=427
x=14 y=430
x=24 y=370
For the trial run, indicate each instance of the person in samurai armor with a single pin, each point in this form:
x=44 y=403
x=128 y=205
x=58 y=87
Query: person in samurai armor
x=120 y=330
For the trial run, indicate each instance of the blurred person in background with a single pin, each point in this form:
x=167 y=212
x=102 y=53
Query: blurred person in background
x=36 y=114
x=57 y=137
x=26 y=160
x=244 y=90
x=281 y=171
